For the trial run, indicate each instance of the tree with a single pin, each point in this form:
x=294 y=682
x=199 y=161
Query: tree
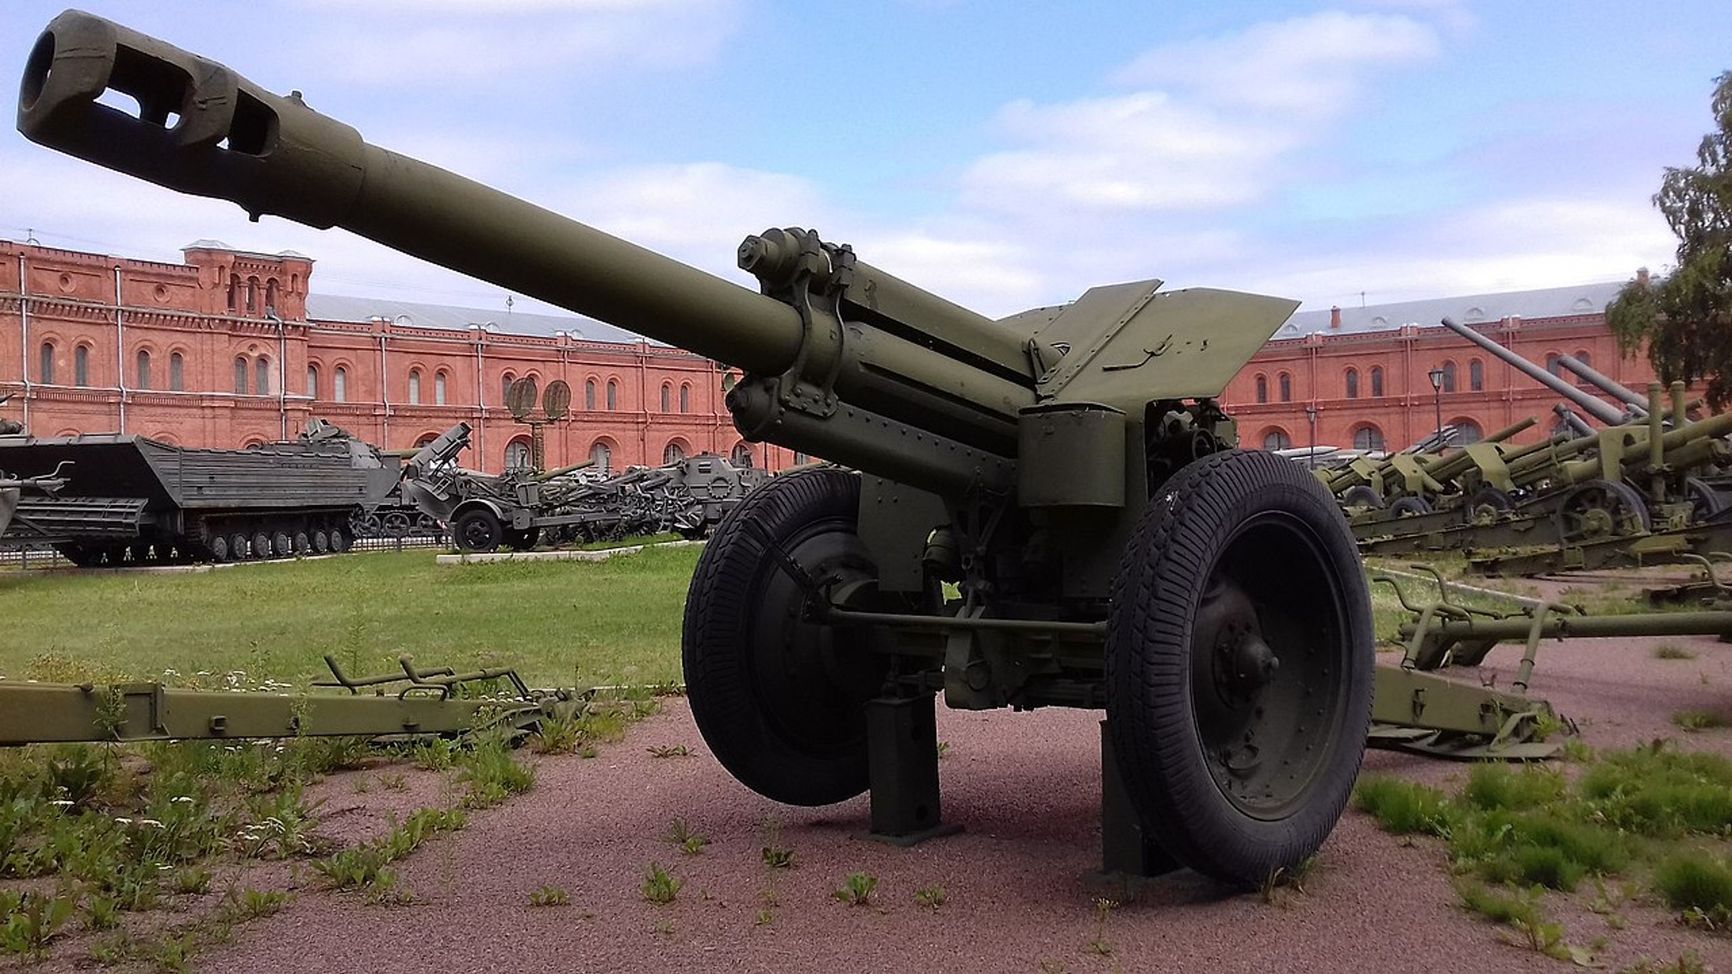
x=1686 y=317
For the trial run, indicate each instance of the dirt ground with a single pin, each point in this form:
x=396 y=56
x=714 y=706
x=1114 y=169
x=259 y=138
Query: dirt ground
x=1025 y=787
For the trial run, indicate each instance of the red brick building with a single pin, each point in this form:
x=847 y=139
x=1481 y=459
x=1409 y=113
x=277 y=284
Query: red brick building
x=221 y=351
x=1361 y=374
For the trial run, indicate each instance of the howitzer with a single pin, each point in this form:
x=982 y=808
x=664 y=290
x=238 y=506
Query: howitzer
x=1637 y=406
x=1597 y=408
x=1067 y=470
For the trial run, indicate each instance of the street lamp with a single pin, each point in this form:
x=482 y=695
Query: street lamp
x=1311 y=415
x=1436 y=377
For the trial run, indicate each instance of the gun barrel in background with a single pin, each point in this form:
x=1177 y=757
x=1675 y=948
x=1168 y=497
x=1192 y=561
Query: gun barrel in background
x=1598 y=408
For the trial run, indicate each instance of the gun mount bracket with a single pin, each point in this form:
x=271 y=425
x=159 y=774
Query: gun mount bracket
x=799 y=269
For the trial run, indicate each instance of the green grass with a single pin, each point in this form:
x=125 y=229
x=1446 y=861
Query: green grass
x=560 y=623
x=1699 y=887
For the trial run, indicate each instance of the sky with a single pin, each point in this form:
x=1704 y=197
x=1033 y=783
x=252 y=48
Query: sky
x=1003 y=154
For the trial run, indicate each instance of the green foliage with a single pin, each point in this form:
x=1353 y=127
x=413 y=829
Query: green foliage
x=250 y=904
x=931 y=897
x=1403 y=807
x=557 y=735
x=1672 y=651
x=1696 y=720
x=777 y=857
x=669 y=751
x=689 y=842
x=660 y=886
x=492 y=773
x=1657 y=791
x=856 y=889
x=1698 y=886
x=1687 y=963
x=364 y=866
x=1684 y=316
x=1496 y=786
x=29 y=920
x=548 y=896
x=1522 y=914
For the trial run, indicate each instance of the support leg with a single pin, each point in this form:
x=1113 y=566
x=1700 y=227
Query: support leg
x=902 y=760
x=1127 y=854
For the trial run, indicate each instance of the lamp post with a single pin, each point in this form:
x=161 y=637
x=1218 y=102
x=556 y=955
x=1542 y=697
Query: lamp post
x=1436 y=377
x=1311 y=416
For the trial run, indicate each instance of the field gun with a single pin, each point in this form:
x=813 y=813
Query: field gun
x=1048 y=509
x=1598 y=408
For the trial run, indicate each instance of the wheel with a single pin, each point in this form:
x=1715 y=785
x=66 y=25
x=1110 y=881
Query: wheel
x=1409 y=507
x=522 y=540
x=1487 y=505
x=303 y=544
x=340 y=539
x=281 y=544
x=237 y=547
x=1239 y=665
x=219 y=549
x=1705 y=501
x=779 y=699
x=478 y=529
x=261 y=544
x=321 y=541
x=1361 y=495
x=397 y=524
x=1601 y=509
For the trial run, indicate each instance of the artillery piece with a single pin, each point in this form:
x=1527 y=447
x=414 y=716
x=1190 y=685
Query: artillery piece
x=1067 y=469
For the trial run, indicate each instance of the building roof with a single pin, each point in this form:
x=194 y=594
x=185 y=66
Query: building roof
x=339 y=307
x=1551 y=302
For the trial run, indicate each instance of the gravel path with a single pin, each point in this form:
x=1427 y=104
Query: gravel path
x=1026 y=787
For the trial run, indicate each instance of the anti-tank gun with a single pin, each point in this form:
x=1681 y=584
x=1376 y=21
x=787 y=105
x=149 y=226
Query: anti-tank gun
x=1067 y=470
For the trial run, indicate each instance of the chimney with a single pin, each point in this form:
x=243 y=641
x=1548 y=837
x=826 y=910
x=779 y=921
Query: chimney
x=1642 y=276
x=1335 y=318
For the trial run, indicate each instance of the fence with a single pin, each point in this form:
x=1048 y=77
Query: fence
x=27 y=557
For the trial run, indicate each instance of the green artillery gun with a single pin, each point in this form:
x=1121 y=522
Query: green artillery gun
x=1048 y=511
x=1413 y=483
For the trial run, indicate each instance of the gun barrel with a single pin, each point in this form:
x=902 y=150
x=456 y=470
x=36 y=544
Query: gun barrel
x=1606 y=384
x=1598 y=408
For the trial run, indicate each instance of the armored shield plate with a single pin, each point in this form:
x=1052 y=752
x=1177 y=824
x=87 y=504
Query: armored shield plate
x=520 y=398
x=556 y=400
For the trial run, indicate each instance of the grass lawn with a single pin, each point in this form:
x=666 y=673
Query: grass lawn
x=560 y=623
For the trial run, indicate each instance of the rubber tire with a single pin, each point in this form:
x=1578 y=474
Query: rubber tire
x=1156 y=592
x=1409 y=507
x=341 y=542
x=1361 y=495
x=237 y=547
x=487 y=526
x=321 y=542
x=282 y=545
x=727 y=590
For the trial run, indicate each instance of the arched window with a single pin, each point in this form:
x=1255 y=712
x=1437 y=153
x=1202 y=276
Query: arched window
x=674 y=452
x=1376 y=381
x=45 y=363
x=1449 y=377
x=741 y=455
x=505 y=382
x=1286 y=383
x=1467 y=431
x=414 y=387
x=1353 y=383
x=177 y=372
x=240 y=375
x=312 y=382
x=1262 y=388
x=667 y=391
x=1583 y=357
x=589 y=395
x=601 y=456
x=271 y=295
x=262 y=374
x=1276 y=439
x=1552 y=364
x=438 y=388
x=234 y=291
x=141 y=370
x=252 y=295
x=685 y=398
x=81 y=366
x=517 y=455
x=1476 y=376
x=1368 y=437
x=612 y=394
x=340 y=384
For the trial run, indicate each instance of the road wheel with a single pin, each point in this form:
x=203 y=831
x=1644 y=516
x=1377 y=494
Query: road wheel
x=478 y=529
x=219 y=549
x=1409 y=507
x=261 y=545
x=321 y=541
x=237 y=547
x=303 y=544
x=281 y=544
x=340 y=539
x=1362 y=497
x=780 y=699
x=1239 y=665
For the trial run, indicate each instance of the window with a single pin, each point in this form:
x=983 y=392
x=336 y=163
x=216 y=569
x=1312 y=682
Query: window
x=1353 y=383
x=1476 y=375
x=1286 y=381
x=45 y=373
x=741 y=455
x=589 y=395
x=263 y=370
x=517 y=455
x=612 y=394
x=1376 y=380
x=340 y=384
x=312 y=382
x=414 y=387
x=177 y=372
x=252 y=295
x=1262 y=388
x=800 y=458
x=667 y=390
x=601 y=455
x=685 y=398
x=1449 y=377
x=1368 y=437
x=1552 y=364
x=81 y=366
x=1583 y=357
x=1467 y=431
x=141 y=370
x=240 y=376
x=438 y=388
x=674 y=453
x=505 y=382
x=234 y=290
x=1276 y=439
x=271 y=295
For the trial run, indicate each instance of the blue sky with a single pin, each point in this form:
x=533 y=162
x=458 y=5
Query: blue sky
x=1002 y=154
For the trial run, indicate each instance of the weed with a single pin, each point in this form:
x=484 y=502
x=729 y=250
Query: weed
x=1520 y=912
x=1698 y=720
x=775 y=856
x=1495 y=786
x=1403 y=807
x=1672 y=651
x=856 y=889
x=492 y=773
x=394 y=782
x=659 y=885
x=557 y=735
x=387 y=889
x=943 y=750
x=548 y=896
x=101 y=912
x=438 y=754
x=364 y=865
x=173 y=953
x=32 y=919
x=1288 y=878
x=680 y=834
x=251 y=904
x=664 y=928
x=1687 y=963
x=192 y=880
x=764 y=918
x=1099 y=944
x=668 y=751
x=931 y=897
x=1699 y=887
